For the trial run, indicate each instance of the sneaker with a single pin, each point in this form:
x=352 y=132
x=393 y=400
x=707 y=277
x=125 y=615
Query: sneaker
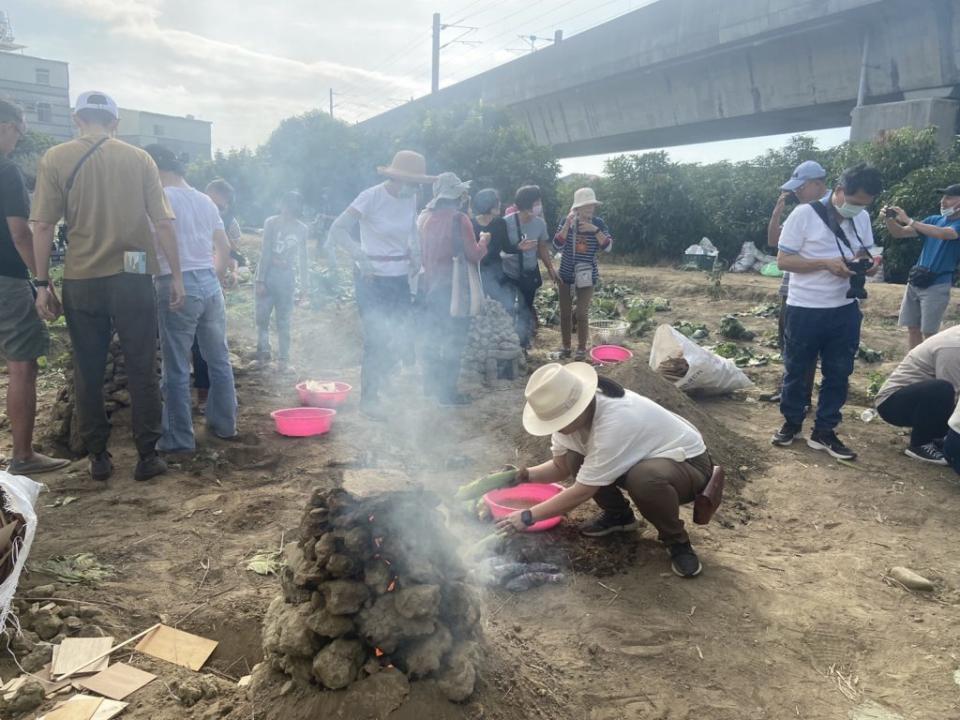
x=101 y=466
x=684 y=561
x=828 y=440
x=455 y=400
x=607 y=522
x=565 y=353
x=580 y=356
x=927 y=453
x=786 y=434
x=773 y=397
x=36 y=464
x=149 y=466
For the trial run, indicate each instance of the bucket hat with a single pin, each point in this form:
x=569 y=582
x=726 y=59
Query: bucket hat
x=448 y=186
x=585 y=196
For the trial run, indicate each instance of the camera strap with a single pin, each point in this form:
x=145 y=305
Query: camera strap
x=839 y=235
x=73 y=175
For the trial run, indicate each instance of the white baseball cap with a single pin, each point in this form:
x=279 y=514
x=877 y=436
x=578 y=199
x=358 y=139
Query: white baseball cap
x=96 y=100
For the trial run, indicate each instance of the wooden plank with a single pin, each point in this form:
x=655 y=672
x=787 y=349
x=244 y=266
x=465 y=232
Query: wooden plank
x=79 y=707
x=117 y=681
x=109 y=709
x=80 y=655
x=178 y=647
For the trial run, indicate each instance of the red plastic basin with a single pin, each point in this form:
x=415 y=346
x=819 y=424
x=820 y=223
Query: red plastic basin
x=303 y=422
x=508 y=500
x=312 y=398
x=610 y=354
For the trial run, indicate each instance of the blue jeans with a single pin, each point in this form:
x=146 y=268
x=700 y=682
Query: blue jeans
x=203 y=315
x=281 y=287
x=833 y=335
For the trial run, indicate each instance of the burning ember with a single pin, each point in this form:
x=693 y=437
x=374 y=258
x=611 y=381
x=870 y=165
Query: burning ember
x=347 y=612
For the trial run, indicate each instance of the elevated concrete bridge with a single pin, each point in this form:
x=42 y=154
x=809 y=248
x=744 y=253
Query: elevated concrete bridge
x=686 y=71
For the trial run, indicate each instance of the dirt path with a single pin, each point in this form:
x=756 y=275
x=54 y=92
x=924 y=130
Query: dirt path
x=792 y=617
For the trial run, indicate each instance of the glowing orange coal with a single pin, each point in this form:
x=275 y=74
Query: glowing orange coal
x=392 y=586
x=378 y=652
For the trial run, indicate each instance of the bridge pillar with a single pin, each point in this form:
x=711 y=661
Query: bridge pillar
x=940 y=112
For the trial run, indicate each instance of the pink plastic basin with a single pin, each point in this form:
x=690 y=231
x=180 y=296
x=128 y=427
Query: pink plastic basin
x=610 y=354
x=508 y=500
x=312 y=398
x=303 y=422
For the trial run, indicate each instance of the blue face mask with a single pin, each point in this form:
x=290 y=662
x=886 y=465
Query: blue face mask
x=849 y=210
x=948 y=212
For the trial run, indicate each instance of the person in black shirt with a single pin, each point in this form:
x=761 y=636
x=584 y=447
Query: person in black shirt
x=23 y=335
x=487 y=219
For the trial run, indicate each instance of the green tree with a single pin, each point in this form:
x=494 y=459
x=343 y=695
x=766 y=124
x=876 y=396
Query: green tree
x=486 y=146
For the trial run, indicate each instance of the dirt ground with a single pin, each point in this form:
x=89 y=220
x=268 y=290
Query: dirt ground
x=792 y=617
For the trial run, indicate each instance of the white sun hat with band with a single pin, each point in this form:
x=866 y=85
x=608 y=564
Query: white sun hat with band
x=557 y=395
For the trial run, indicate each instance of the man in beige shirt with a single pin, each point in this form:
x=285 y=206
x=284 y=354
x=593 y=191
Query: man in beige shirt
x=108 y=193
x=921 y=393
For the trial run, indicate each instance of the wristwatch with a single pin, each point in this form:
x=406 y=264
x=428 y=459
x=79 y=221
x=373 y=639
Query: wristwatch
x=41 y=283
x=526 y=517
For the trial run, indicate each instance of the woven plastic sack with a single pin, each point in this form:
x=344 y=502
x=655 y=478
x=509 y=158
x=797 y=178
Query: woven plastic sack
x=19 y=495
x=709 y=374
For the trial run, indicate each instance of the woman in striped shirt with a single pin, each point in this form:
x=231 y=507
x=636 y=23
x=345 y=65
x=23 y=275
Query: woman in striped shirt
x=581 y=236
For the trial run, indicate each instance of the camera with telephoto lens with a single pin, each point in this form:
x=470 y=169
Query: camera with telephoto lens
x=858 y=283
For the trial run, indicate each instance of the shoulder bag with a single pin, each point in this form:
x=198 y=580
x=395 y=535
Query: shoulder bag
x=466 y=294
x=64 y=228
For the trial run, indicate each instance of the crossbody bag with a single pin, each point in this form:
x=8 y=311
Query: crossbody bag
x=64 y=228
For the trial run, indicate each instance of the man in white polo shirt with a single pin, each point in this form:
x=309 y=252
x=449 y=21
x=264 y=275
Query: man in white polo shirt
x=823 y=317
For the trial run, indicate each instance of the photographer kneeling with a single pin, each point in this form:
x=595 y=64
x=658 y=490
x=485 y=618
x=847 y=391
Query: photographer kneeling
x=825 y=245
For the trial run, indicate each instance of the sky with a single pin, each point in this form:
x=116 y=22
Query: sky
x=247 y=65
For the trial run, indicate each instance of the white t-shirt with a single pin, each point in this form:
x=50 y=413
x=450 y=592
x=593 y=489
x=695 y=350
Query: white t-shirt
x=806 y=235
x=626 y=431
x=954 y=421
x=388 y=228
x=197 y=219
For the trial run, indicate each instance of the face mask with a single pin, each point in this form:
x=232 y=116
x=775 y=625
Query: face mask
x=948 y=212
x=849 y=210
x=538 y=210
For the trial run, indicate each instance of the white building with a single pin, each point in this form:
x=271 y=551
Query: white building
x=41 y=87
x=180 y=134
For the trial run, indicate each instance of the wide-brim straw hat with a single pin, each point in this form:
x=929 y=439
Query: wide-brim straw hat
x=409 y=166
x=585 y=196
x=557 y=395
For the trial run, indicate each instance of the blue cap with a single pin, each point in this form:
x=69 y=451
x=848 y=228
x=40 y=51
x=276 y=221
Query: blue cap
x=806 y=171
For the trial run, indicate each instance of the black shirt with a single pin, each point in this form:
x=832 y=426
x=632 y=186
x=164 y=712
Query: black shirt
x=14 y=202
x=498 y=241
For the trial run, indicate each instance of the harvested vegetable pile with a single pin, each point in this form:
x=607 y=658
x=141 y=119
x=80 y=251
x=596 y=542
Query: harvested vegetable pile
x=692 y=330
x=733 y=329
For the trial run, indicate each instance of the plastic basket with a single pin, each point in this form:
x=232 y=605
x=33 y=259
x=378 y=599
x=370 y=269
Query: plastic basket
x=701 y=262
x=606 y=332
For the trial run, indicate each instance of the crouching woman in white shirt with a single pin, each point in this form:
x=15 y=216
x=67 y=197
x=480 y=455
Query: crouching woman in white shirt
x=610 y=440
